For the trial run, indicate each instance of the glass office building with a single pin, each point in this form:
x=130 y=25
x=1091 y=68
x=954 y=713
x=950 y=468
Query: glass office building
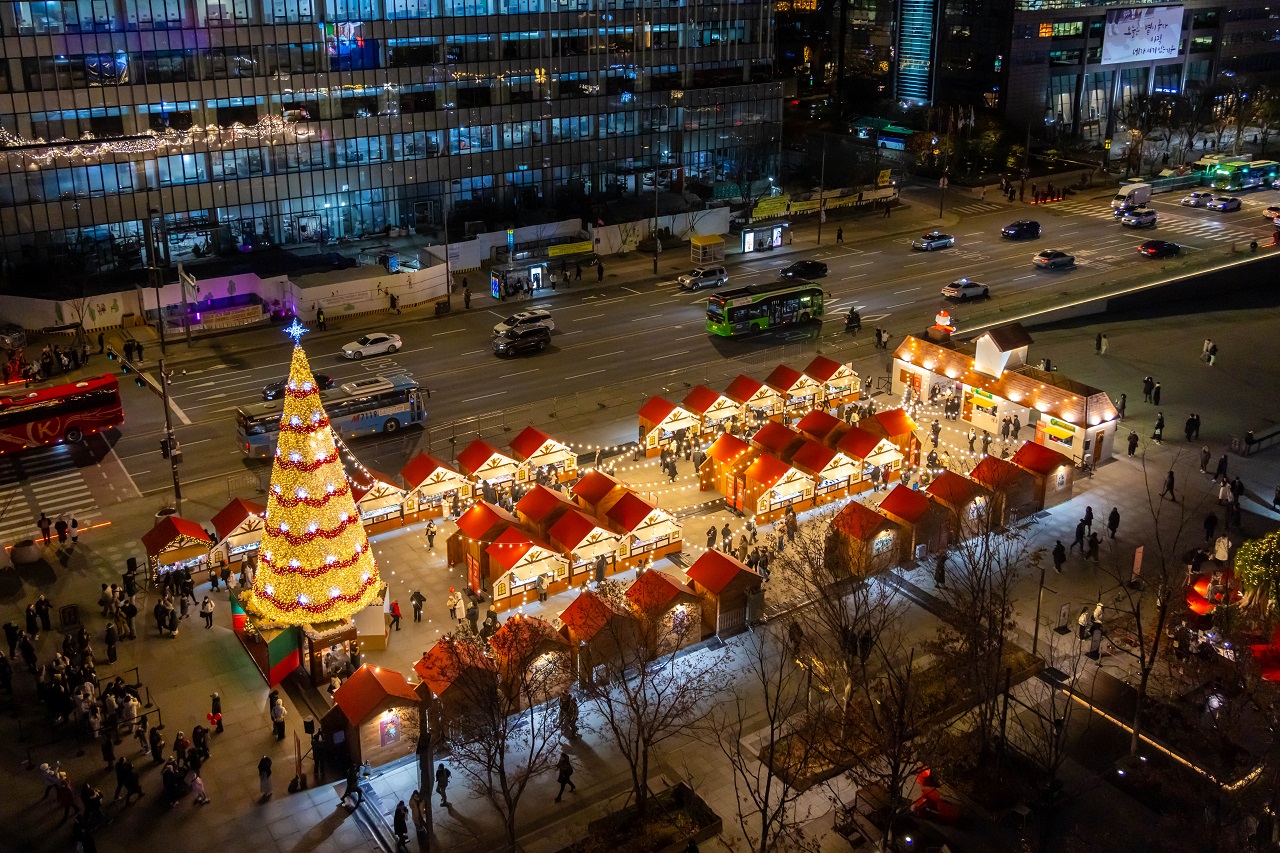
x=288 y=121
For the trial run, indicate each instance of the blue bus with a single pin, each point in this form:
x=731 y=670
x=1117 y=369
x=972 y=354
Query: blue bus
x=378 y=404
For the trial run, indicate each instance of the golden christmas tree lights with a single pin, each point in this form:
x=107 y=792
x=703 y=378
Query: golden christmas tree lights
x=315 y=563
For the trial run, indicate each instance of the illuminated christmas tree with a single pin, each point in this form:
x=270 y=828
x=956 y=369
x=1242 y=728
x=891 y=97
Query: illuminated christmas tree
x=315 y=563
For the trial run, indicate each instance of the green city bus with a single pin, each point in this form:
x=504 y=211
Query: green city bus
x=756 y=307
x=1233 y=175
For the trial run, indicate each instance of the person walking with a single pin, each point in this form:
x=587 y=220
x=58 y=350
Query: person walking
x=1168 y=487
x=1213 y=354
x=215 y=712
x=431 y=534
x=1133 y=442
x=45 y=526
x=353 y=789
x=1205 y=458
x=541 y=583
x=111 y=637
x=395 y=615
x=417 y=599
x=1079 y=538
x=1092 y=552
x=137 y=349
x=1120 y=406
x=43 y=609
x=1210 y=526
x=599 y=272
x=1102 y=350
x=321 y=322
x=443 y=774
x=1204 y=350
x=1113 y=521
x=1097 y=344
x=888 y=209
x=1148 y=385
x=417 y=808
x=1059 y=556
x=840 y=234
x=1155 y=394
x=1220 y=473
x=1088 y=518
x=61 y=527
x=1157 y=434
x=206 y=611
x=460 y=608
x=127 y=781
x=197 y=788
x=466 y=297
x=278 y=713
x=564 y=775
x=400 y=821
x=264 y=778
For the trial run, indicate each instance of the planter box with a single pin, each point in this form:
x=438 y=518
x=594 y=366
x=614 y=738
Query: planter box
x=675 y=815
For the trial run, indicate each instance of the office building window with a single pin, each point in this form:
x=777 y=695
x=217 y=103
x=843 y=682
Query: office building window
x=288 y=11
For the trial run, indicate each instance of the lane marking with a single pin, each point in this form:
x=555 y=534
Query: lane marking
x=483 y=396
x=669 y=355
x=591 y=316
x=447 y=332
x=629 y=290
x=908 y=290
x=605 y=355
x=580 y=375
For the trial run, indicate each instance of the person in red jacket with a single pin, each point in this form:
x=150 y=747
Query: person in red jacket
x=395 y=615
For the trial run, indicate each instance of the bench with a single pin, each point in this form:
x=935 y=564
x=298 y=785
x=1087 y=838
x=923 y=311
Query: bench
x=1252 y=441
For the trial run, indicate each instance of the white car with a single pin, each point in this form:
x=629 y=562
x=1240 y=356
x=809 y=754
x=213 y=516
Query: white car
x=963 y=289
x=526 y=320
x=933 y=240
x=1271 y=214
x=374 y=343
x=1139 y=219
x=1224 y=203
x=1197 y=199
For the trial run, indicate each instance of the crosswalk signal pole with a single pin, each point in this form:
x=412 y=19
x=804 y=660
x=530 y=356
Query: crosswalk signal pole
x=170 y=442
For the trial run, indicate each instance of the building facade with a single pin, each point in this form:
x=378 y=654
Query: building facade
x=288 y=121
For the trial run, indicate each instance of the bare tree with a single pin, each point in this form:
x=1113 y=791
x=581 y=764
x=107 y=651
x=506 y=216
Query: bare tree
x=770 y=699
x=755 y=158
x=645 y=694
x=501 y=749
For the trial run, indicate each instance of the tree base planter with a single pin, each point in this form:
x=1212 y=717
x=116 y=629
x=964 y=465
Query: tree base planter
x=674 y=816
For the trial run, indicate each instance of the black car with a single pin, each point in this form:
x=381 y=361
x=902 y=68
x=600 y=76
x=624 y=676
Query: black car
x=1159 y=249
x=517 y=341
x=276 y=389
x=804 y=270
x=1023 y=229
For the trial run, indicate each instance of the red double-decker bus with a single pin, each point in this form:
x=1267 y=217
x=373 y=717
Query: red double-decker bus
x=60 y=413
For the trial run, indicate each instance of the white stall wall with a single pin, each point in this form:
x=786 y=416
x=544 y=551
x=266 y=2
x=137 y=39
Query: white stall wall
x=623 y=237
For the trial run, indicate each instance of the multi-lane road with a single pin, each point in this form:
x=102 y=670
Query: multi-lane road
x=607 y=337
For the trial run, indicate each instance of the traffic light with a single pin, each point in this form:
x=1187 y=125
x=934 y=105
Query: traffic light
x=164 y=448
x=137 y=380
x=111 y=354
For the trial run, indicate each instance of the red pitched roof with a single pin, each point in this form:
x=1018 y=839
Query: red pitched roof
x=727 y=448
x=522 y=634
x=526 y=444
x=230 y=516
x=995 y=473
x=509 y=547
x=367 y=479
x=896 y=422
x=743 y=388
x=774 y=437
x=812 y=456
x=539 y=502
x=905 y=503
x=783 y=378
x=419 y=468
x=819 y=424
x=630 y=510
x=714 y=570
x=588 y=614
x=571 y=528
x=766 y=470
x=1039 y=459
x=367 y=687
x=167 y=530
x=481 y=518
x=953 y=489
x=445 y=662
x=822 y=368
x=700 y=399
x=857 y=443
x=859 y=522
x=656 y=410
x=594 y=486
x=475 y=454
x=654 y=589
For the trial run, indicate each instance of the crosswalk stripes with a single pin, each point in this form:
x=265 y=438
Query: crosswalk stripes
x=976 y=207
x=45 y=481
x=1168 y=222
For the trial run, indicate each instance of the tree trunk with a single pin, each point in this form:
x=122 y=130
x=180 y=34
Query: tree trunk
x=1135 y=736
x=642 y=789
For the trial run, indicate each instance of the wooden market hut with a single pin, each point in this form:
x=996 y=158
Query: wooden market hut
x=599 y=632
x=594 y=488
x=966 y=500
x=516 y=559
x=925 y=521
x=669 y=611
x=822 y=427
x=537 y=450
x=897 y=426
x=540 y=507
x=649 y=533
x=728 y=589
x=768 y=486
x=176 y=543
x=495 y=471
x=714 y=410
x=457 y=673
x=777 y=439
x=478 y=527
x=839 y=381
x=1013 y=490
x=832 y=470
x=376 y=712
x=726 y=456
x=863 y=541
x=755 y=400
x=434 y=487
x=535 y=661
x=1054 y=473
x=799 y=392
x=239 y=527
x=870 y=451
x=663 y=423
x=379 y=500
x=585 y=539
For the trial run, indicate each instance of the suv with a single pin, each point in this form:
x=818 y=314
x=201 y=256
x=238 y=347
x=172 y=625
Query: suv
x=1139 y=219
x=526 y=319
x=516 y=341
x=700 y=277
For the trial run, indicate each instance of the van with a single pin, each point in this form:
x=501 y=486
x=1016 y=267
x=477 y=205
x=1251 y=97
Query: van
x=700 y=277
x=1132 y=195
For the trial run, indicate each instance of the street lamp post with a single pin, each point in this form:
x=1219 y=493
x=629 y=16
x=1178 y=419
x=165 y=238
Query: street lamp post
x=822 y=189
x=656 y=248
x=174 y=456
